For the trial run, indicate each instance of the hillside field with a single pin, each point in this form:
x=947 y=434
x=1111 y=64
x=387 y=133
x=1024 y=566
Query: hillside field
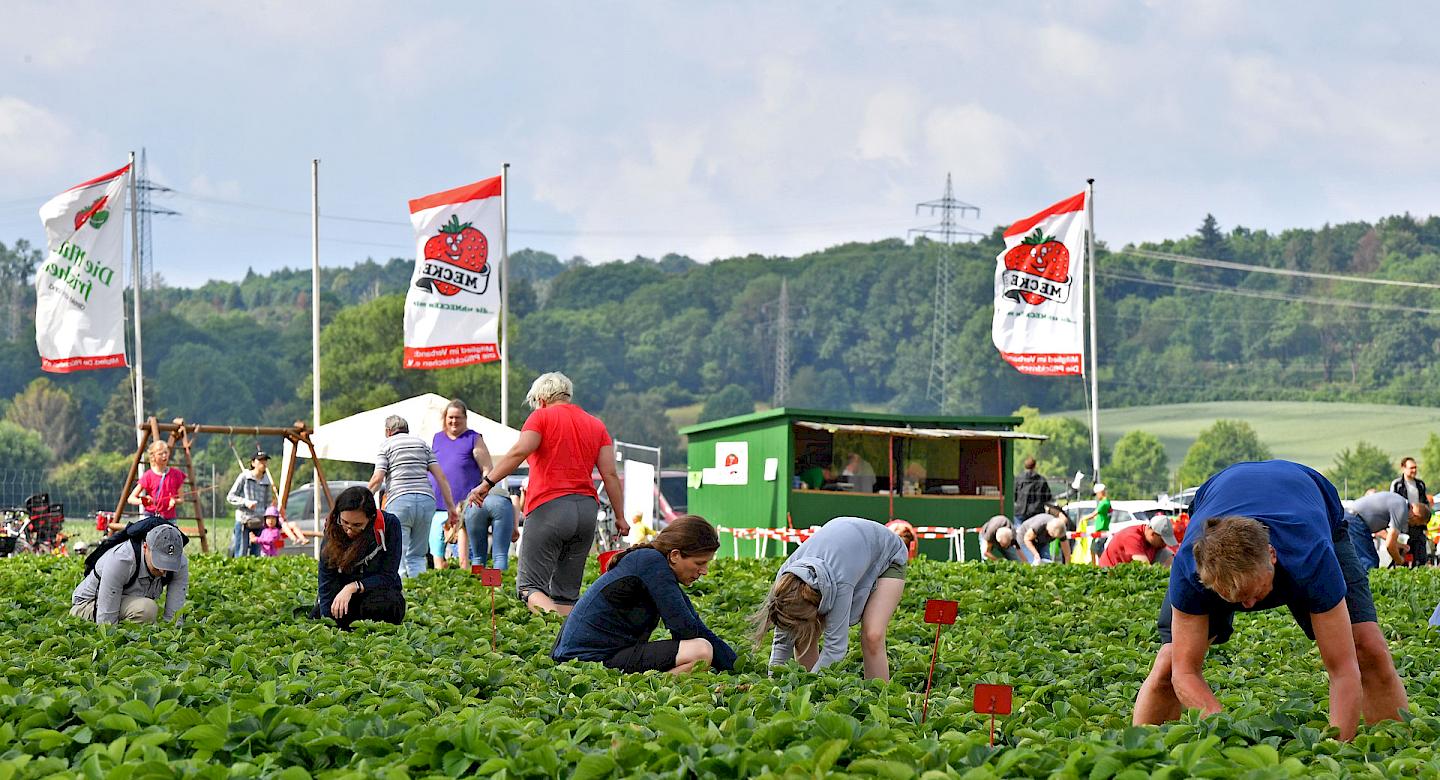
x=1310 y=433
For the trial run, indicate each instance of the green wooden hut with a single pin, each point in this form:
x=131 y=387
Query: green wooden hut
x=800 y=467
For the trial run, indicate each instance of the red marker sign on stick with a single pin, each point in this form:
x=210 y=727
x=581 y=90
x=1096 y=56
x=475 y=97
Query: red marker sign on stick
x=490 y=578
x=995 y=700
x=941 y=613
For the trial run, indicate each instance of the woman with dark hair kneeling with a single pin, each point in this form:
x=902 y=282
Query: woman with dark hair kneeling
x=613 y=621
x=360 y=563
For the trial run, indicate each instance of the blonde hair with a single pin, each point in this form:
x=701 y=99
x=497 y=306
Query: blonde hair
x=1231 y=553
x=155 y=446
x=794 y=607
x=549 y=388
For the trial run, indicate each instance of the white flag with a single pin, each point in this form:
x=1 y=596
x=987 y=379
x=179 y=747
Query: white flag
x=79 y=294
x=1039 y=324
x=452 y=309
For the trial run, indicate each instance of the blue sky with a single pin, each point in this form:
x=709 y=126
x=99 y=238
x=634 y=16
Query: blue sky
x=714 y=129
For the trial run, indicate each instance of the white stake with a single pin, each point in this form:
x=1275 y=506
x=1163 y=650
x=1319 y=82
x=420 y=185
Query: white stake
x=315 y=339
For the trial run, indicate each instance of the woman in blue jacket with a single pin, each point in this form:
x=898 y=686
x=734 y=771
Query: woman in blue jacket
x=613 y=620
x=360 y=563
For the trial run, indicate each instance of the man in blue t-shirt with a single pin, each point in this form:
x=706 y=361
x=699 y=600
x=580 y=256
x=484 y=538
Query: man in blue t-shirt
x=1264 y=535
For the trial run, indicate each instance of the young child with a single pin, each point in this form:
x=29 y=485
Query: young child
x=158 y=491
x=270 y=538
x=851 y=571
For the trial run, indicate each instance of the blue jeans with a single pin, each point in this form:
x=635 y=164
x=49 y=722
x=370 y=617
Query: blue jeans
x=495 y=516
x=240 y=544
x=414 y=511
x=1364 y=542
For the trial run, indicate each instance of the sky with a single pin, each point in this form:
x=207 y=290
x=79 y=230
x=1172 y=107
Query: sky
x=713 y=129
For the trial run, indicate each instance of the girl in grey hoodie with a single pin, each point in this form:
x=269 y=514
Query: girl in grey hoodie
x=851 y=571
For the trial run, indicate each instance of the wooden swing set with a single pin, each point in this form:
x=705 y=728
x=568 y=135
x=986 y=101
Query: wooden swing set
x=182 y=434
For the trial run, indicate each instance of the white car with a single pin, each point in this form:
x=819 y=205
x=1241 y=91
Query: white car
x=1123 y=514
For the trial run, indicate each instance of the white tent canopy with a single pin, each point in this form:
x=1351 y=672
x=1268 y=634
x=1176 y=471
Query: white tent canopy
x=357 y=438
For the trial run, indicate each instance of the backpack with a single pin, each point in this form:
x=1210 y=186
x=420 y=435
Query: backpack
x=134 y=533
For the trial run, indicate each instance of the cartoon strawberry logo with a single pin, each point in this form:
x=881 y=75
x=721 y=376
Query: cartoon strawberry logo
x=1039 y=255
x=458 y=244
x=95 y=214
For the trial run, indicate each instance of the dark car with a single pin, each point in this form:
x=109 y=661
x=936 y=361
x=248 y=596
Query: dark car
x=673 y=490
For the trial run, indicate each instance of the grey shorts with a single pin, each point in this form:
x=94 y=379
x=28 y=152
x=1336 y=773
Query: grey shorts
x=557 y=542
x=1358 y=600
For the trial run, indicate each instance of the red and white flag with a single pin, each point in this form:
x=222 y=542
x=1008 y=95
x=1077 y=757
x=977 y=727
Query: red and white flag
x=452 y=309
x=79 y=289
x=1039 y=324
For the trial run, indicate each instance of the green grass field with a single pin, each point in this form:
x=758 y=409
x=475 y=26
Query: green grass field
x=1310 y=433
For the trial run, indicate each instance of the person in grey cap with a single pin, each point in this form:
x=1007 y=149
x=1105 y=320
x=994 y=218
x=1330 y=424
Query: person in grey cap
x=1140 y=543
x=997 y=540
x=1390 y=513
x=127 y=580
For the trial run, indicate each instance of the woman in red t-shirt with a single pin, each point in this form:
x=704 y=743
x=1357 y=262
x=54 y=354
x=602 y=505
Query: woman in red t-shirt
x=158 y=490
x=563 y=443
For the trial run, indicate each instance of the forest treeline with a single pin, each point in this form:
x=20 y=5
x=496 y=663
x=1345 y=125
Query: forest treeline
x=643 y=335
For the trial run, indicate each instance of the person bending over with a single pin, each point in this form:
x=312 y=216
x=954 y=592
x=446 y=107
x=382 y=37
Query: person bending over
x=850 y=571
x=1139 y=543
x=1036 y=534
x=1388 y=515
x=360 y=563
x=997 y=540
x=613 y=620
x=1265 y=535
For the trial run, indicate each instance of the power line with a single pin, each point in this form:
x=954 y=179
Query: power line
x=1272 y=296
x=1260 y=269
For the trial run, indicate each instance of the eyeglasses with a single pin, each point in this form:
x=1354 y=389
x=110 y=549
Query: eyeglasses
x=354 y=528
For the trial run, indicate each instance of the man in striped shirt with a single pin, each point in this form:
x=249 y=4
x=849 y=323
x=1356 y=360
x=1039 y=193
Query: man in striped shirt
x=402 y=464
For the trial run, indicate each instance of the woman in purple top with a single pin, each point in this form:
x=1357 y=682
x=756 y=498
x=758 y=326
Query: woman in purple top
x=464 y=459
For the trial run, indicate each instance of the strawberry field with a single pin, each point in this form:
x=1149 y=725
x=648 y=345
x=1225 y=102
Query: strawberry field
x=242 y=689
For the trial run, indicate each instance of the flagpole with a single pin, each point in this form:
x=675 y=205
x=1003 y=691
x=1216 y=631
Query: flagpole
x=139 y=372
x=504 y=294
x=1094 y=350
x=315 y=339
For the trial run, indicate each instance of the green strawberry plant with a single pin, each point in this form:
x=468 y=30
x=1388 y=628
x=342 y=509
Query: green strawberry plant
x=242 y=689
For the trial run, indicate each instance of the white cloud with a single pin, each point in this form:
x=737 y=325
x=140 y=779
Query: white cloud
x=888 y=127
x=41 y=151
x=977 y=144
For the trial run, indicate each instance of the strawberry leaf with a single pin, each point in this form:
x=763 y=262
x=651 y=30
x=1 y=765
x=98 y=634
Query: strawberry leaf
x=454 y=225
x=1038 y=237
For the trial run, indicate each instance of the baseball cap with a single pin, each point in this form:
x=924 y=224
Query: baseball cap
x=167 y=547
x=1099 y=488
x=272 y=511
x=1162 y=525
x=260 y=455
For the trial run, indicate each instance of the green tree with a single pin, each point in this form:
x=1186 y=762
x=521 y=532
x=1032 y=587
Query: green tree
x=1138 y=467
x=639 y=418
x=1225 y=443
x=1064 y=452
x=1429 y=460
x=24 y=450
x=115 y=430
x=49 y=411
x=811 y=389
x=1360 y=469
x=730 y=401
x=91 y=481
